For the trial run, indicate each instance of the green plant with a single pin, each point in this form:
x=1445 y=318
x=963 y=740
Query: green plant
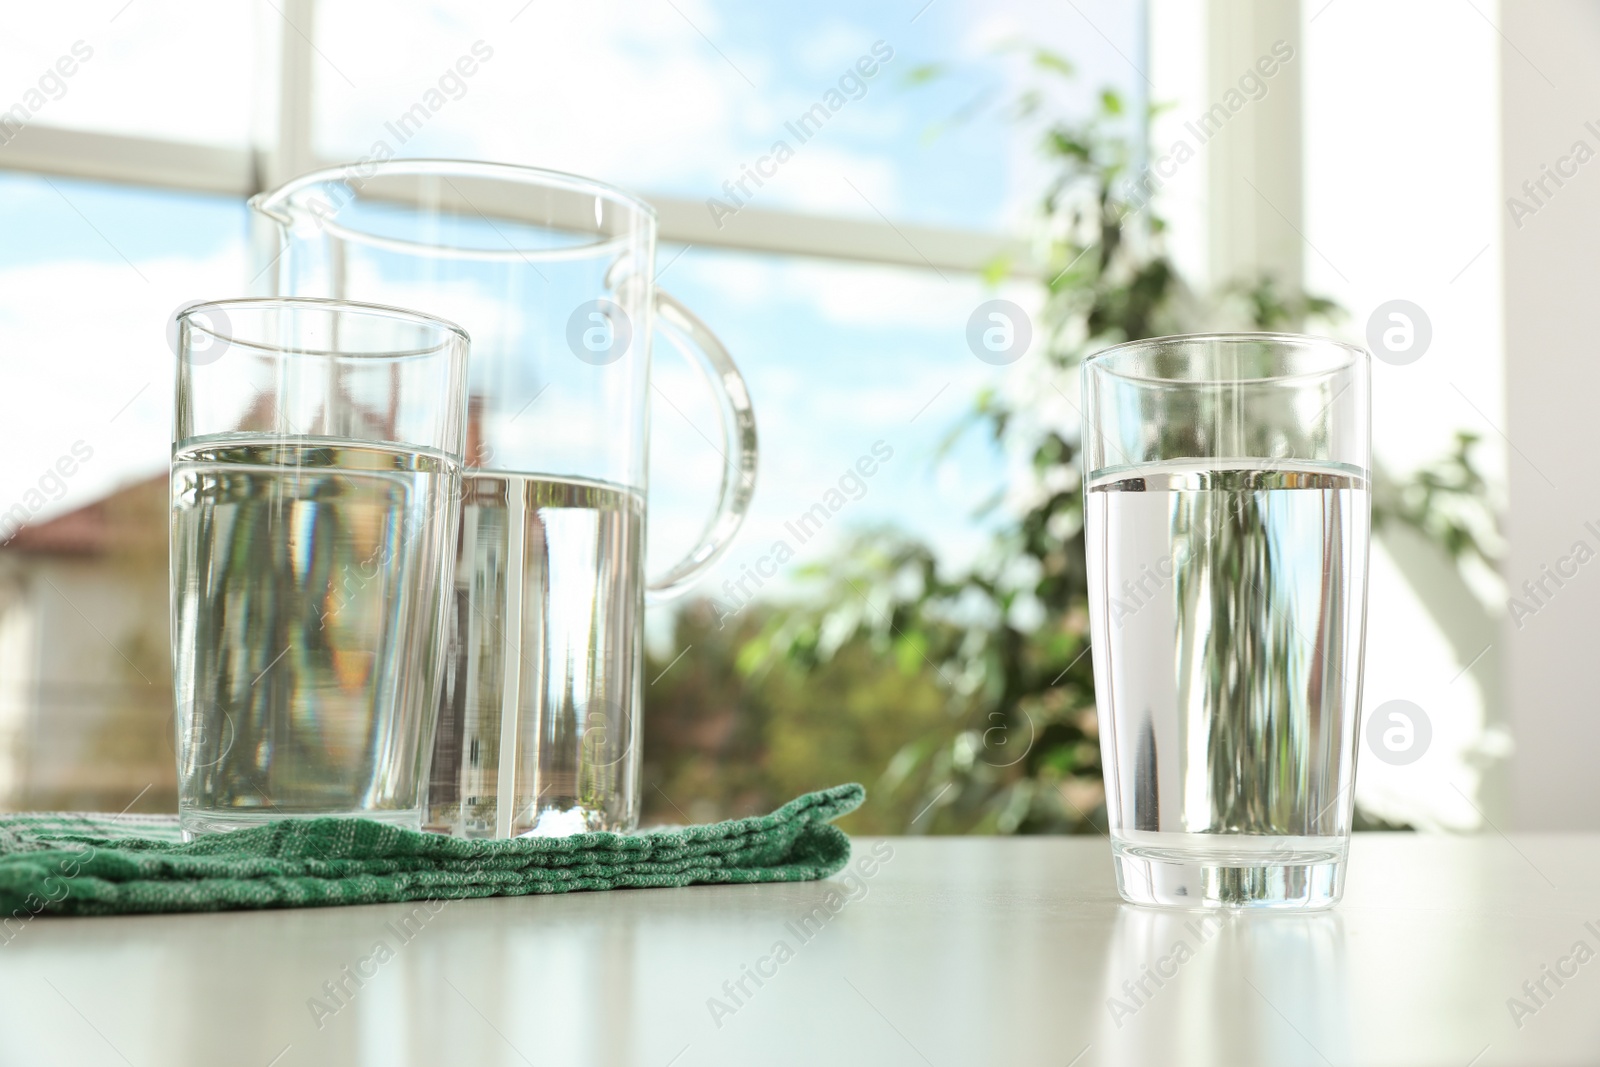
x=1006 y=638
x=1447 y=502
x=721 y=743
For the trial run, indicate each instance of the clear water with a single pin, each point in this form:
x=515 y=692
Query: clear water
x=1228 y=608
x=547 y=660
x=309 y=619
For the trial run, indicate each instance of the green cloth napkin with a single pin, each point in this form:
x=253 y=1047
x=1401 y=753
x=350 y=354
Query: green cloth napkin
x=70 y=864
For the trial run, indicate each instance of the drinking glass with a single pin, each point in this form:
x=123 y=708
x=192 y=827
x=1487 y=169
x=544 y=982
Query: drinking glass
x=553 y=275
x=1227 y=519
x=316 y=467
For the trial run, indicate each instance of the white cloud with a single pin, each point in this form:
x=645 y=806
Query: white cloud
x=642 y=100
x=84 y=356
x=164 y=68
x=834 y=45
x=820 y=177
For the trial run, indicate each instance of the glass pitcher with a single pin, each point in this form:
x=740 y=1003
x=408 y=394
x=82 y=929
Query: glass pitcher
x=553 y=277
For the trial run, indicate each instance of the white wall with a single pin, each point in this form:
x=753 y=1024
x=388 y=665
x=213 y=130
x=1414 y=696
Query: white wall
x=1402 y=155
x=1371 y=165
x=1551 y=87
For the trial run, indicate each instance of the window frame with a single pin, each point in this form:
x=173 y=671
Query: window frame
x=189 y=167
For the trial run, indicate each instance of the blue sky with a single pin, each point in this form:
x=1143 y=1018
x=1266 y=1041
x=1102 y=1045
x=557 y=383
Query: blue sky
x=838 y=358
x=40 y=224
x=672 y=99
x=669 y=100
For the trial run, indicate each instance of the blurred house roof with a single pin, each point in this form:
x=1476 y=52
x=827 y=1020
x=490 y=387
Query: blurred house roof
x=132 y=517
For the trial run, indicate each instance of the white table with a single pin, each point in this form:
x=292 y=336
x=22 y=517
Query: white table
x=954 y=952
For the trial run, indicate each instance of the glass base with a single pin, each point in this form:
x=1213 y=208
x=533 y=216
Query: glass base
x=548 y=822
x=195 y=823
x=1218 y=871
x=559 y=822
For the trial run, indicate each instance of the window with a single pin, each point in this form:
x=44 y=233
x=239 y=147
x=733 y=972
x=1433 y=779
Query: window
x=872 y=362
x=87 y=273
x=677 y=99
x=841 y=280
x=166 y=69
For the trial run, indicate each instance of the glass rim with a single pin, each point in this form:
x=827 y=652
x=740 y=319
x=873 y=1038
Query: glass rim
x=271 y=203
x=317 y=303
x=1104 y=361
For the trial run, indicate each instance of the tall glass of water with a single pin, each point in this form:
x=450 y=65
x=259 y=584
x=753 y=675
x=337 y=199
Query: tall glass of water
x=316 y=471
x=1227 y=518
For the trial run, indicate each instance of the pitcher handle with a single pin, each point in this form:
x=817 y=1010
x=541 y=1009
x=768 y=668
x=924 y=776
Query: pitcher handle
x=692 y=337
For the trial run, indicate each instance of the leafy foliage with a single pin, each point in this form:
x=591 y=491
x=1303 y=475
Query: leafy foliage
x=1015 y=749
x=721 y=743
x=1448 y=502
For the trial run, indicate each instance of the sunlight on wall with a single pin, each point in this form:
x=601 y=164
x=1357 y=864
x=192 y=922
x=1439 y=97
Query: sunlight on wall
x=1411 y=89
